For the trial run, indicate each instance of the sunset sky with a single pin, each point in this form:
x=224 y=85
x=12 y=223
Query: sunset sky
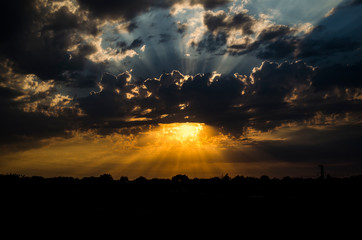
x=197 y=87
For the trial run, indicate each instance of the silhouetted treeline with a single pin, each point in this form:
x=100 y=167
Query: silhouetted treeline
x=17 y=188
x=263 y=185
x=219 y=202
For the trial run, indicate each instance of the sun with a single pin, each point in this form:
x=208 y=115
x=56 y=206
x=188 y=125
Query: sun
x=182 y=132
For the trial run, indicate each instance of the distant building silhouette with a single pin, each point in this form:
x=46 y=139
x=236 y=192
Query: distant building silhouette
x=322 y=176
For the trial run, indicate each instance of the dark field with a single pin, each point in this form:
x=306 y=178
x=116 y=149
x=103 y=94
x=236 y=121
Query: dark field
x=180 y=205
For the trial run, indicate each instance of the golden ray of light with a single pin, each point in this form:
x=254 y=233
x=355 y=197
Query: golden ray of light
x=177 y=148
x=166 y=150
x=162 y=151
x=182 y=133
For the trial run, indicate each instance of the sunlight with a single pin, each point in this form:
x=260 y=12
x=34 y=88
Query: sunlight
x=181 y=132
x=194 y=149
x=174 y=148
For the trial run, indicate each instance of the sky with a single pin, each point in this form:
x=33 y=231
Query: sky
x=197 y=87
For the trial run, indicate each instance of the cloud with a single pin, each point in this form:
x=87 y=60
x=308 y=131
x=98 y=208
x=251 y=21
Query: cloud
x=213 y=43
x=49 y=42
x=336 y=145
x=274 y=42
x=348 y=3
x=356 y=2
x=245 y=34
x=219 y=28
x=112 y=101
x=75 y=42
x=326 y=47
x=26 y=120
x=272 y=95
x=169 y=98
x=32 y=109
x=335 y=37
x=209 y=4
x=164 y=37
x=113 y=9
x=181 y=27
x=221 y=21
x=338 y=76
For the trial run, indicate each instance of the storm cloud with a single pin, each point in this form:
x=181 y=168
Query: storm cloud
x=265 y=40
x=272 y=95
x=40 y=38
x=113 y=9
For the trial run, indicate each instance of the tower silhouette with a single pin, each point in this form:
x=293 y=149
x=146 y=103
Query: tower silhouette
x=322 y=172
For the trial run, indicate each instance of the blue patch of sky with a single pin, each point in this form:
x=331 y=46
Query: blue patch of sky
x=292 y=12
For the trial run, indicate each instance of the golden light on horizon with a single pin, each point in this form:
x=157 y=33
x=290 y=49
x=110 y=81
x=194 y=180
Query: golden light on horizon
x=177 y=148
x=164 y=150
x=157 y=151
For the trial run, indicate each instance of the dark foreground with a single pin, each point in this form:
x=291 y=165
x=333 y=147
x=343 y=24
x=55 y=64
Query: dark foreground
x=180 y=206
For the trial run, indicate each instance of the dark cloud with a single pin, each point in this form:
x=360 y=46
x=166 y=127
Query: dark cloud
x=273 y=95
x=23 y=129
x=214 y=101
x=356 y=2
x=19 y=15
x=181 y=27
x=215 y=21
x=348 y=3
x=326 y=47
x=220 y=21
x=339 y=76
x=170 y=98
x=274 y=32
x=212 y=43
x=164 y=37
x=132 y=26
x=111 y=101
x=276 y=94
x=40 y=37
x=296 y=92
x=335 y=39
x=328 y=42
x=32 y=110
x=137 y=43
x=273 y=42
x=273 y=82
x=165 y=96
x=336 y=146
x=280 y=49
x=114 y=9
x=209 y=4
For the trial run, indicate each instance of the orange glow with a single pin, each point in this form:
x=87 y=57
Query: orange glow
x=159 y=151
x=181 y=132
x=162 y=151
x=174 y=148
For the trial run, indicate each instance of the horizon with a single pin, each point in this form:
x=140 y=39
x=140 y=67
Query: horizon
x=323 y=175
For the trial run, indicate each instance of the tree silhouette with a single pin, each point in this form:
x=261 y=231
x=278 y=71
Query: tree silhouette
x=106 y=177
x=180 y=178
x=123 y=179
